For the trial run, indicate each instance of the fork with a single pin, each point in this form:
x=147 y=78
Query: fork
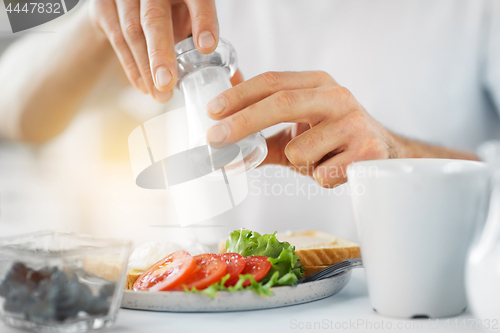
x=335 y=269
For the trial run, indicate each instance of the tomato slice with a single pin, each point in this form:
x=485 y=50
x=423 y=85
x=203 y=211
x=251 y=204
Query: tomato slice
x=210 y=268
x=235 y=265
x=167 y=273
x=258 y=266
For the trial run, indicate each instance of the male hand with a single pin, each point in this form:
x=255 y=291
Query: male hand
x=332 y=129
x=143 y=34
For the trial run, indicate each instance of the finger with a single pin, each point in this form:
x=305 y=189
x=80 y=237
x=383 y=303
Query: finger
x=110 y=24
x=276 y=147
x=333 y=172
x=262 y=86
x=297 y=106
x=181 y=21
x=162 y=96
x=276 y=151
x=237 y=78
x=311 y=146
x=298 y=129
x=156 y=23
x=205 y=25
x=130 y=21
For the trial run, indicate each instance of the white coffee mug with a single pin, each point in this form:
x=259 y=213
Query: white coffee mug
x=415 y=219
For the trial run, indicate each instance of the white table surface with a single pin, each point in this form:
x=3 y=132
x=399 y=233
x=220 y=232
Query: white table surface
x=350 y=308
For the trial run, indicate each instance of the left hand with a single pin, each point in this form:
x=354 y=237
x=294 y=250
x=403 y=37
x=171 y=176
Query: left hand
x=331 y=128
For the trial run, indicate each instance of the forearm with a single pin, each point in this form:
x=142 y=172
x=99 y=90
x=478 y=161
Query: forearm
x=406 y=148
x=44 y=78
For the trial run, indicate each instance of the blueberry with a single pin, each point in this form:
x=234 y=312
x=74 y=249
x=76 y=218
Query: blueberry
x=18 y=299
x=72 y=277
x=97 y=306
x=42 y=289
x=65 y=298
x=70 y=298
x=107 y=290
x=65 y=313
x=34 y=277
x=4 y=288
x=40 y=312
x=19 y=268
x=84 y=298
x=48 y=271
x=59 y=278
x=11 y=306
x=15 y=277
x=65 y=295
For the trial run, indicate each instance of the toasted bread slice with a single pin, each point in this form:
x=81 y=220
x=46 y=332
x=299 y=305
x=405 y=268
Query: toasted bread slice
x=310 y=270
x=108 y=267
x=132 y=275
x=318 y=248
x=222 y=246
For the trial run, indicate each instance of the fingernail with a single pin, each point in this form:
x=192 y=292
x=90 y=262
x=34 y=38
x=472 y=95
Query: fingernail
x=216 y=105
x=206 y=40
x=162 y=96
x=218 y=133
x=141 y=86
x=163 y=77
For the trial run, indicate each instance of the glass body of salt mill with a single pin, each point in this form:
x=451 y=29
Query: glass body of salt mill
x=202 y=77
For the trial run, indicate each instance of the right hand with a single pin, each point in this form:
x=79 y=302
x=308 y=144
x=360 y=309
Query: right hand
x=143 y=34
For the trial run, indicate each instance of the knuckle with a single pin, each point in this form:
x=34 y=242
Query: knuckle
x=144 y=68
x=130 y=67
x=284 y=99
x=157 y=54
x=152 y=14
x=202 y=17
x=271 y=79
x=344 y=95
x=380 y=150
x=324 y=77
x=339 y=94
x=116 y=38
x=373 y=149
x=133 y=30
x=357 y=121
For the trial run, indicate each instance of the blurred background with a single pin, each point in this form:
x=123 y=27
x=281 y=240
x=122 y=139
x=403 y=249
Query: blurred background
x=82 y=180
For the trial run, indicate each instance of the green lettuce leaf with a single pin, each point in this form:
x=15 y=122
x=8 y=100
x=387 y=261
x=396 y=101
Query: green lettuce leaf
x=285 y=270
x=281 y=254
x=257 y=287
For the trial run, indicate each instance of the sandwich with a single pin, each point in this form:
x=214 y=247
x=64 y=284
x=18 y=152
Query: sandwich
x=316 y=249
x=293 y=256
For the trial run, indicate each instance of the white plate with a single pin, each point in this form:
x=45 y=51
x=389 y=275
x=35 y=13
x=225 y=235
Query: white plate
x=179 y=301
